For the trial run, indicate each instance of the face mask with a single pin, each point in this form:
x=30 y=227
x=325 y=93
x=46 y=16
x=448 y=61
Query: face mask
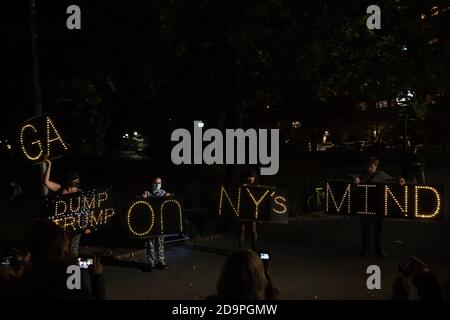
x=156 y=186
x=74 y=184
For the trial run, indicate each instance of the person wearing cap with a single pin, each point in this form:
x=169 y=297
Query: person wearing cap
x=71 y=185
x=250 y=179
x=155 y=245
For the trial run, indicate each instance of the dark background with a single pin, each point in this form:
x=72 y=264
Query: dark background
x=153 y=66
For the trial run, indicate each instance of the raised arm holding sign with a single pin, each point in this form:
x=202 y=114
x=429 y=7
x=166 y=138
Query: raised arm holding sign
x=70 y=185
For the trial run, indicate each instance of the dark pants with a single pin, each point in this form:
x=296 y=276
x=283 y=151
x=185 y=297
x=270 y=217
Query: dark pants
x=75 y=245
x=416 y=177
x=366 y=224
x=251 y=228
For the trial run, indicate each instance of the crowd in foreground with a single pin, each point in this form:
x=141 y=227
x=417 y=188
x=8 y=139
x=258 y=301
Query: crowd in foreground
x=40 y=272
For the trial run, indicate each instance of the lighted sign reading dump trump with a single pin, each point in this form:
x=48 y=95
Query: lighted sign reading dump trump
x=91 y=209
x=384 y=200
x=41 y=137
x=255 y=203
x=155 y=216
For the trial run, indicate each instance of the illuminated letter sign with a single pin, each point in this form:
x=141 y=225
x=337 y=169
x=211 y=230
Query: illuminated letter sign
x=329 y=195
x=429 y=197
x=155 y=216
x=78 y=211
x=366 y=198
x=386 y=200
x=235 y=207
x=254 y=203
x=40 y=136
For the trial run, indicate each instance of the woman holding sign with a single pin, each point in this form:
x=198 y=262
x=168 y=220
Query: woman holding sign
x=71 y=185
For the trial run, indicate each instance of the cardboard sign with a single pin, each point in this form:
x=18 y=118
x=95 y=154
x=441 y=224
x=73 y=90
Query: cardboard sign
x=254 y=203
x=155 y=216
x=39 y=137
x=385 y=200
x=78 y=211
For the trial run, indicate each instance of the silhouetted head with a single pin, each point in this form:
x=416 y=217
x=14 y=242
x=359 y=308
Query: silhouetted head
x=49 y=244
x=250 y=176
x=242 y=277
x=372 y=165
x=156 y=183
x=72 y=181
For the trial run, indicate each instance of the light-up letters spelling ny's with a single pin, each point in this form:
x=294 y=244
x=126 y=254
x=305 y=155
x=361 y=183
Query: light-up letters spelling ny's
x=155 y=216
x=39 y=137
x=82 y=210
x=257 y=203
x=417 y=202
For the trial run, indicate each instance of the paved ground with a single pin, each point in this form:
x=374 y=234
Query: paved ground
x=311 y=259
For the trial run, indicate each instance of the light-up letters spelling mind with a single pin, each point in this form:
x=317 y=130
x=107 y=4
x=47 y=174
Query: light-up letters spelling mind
x=82 y=210
x=40 y=137
x=155 y=216
x=413 y=202
x=256 y=203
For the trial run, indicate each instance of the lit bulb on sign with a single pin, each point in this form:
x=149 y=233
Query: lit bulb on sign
x=366 y=198
x=236 y=208
x=416 y=202
x=387 y=193
x=35 y=142
x=280 y=201
x=152 y=215
x=33 y=150
x=329 y=194
x=257 y=202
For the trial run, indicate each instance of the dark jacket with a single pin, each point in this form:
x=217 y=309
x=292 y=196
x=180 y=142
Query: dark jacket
x=378 y=177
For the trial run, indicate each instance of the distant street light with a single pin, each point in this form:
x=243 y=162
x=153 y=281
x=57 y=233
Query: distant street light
x=324 y=137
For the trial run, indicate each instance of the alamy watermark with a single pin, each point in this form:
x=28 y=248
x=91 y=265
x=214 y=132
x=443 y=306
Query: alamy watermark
x=373 y=282
x=239 y=145
x=74 y=279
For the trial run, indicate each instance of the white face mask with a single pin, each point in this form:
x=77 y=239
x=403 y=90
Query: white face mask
x=156 y=186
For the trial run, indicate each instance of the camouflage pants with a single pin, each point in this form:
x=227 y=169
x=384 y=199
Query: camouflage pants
x=75 y=245
x=155 y=251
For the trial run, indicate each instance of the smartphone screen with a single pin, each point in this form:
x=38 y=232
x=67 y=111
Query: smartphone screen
x=6 y=261
x=264 y=256
x=85 y=263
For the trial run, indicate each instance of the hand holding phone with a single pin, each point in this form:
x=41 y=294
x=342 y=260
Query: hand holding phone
x=264 y=255
x=85 y=263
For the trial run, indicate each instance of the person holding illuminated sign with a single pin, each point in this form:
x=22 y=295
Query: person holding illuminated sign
x=250 y=179
x=71 y=185
x=373 y=175
x=155 y=245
